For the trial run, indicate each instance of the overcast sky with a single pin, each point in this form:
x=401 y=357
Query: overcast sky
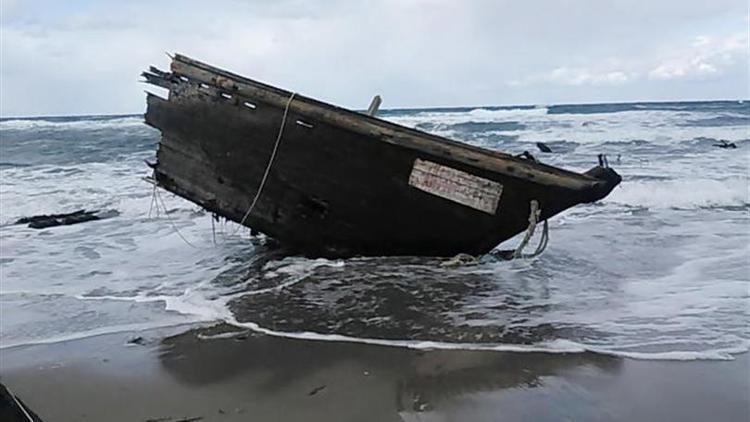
x=84 y=57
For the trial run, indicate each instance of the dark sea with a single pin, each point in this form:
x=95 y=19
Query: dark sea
x=660 y=269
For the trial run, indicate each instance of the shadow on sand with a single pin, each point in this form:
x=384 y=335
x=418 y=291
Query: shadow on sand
x=407 y=382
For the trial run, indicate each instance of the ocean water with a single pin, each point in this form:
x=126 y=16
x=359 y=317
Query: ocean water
x=660 y=269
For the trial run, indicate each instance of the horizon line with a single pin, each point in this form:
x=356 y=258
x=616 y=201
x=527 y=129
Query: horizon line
x=528 y=106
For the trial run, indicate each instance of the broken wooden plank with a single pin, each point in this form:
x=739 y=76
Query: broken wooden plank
x=374 y=105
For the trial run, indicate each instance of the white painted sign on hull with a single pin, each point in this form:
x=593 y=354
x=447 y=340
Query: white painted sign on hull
x=456 y=185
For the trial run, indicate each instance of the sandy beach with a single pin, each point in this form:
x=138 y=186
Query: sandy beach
x=217 y=373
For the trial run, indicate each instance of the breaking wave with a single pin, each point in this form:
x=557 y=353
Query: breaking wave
x=477 y=116
x=210 y=301
x=80 y=123
x=702 y=106
x=683 y=193
x=208 y=310
x=723 y=120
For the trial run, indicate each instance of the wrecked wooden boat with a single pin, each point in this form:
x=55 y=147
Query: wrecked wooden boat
x=326 y=181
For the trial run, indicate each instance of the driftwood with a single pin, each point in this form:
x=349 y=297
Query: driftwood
x=52 y=220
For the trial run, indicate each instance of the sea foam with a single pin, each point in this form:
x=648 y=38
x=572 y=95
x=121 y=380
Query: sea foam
x=73 y=123
x=683 y=193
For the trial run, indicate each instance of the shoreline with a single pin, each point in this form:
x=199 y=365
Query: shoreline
x=554 y=347
x=218 y=372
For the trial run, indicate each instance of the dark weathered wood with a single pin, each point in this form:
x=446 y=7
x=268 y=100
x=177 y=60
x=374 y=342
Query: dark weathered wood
x=376 y=128
x=543 y=147
x=76 y=217
x=374 y=105
x=340 y=183
x=725 y=144
x=13 y=409
x=155 y=79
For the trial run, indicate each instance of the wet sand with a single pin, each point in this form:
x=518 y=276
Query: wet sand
x=184 y=373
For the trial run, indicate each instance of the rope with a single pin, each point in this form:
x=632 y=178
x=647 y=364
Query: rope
x=465 y=259
x=153 y=199
x=533 y=218
x=534 y=215
x=542 y=242
x=459 y=260
x=269 y=165
x=174 y=226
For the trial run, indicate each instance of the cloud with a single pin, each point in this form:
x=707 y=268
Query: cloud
x=702 y=58
x=84 y=57
x=705 y=57
x=577 y=77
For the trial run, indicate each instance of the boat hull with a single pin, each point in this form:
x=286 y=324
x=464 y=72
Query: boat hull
x=341 y=183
